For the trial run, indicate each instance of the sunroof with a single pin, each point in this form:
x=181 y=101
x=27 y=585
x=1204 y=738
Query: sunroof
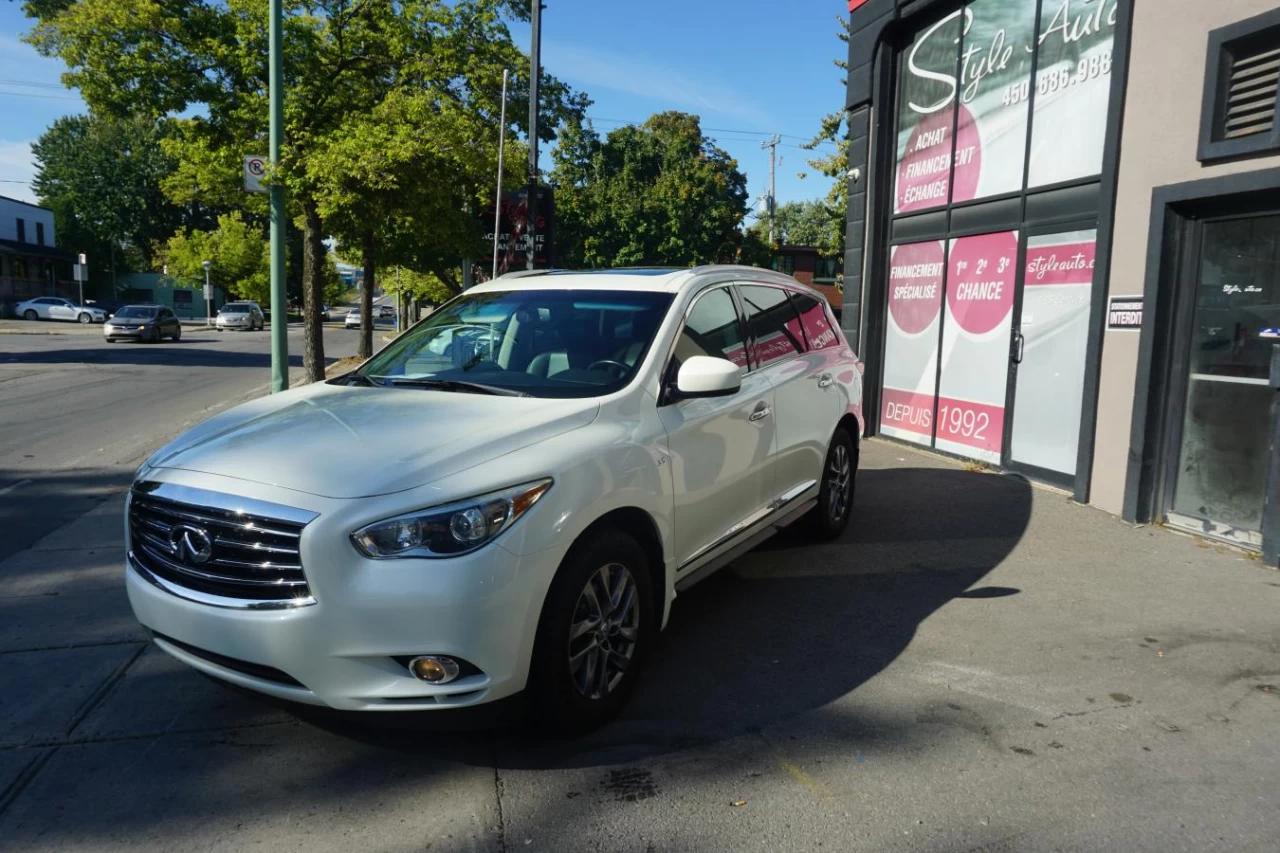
x=623 y=271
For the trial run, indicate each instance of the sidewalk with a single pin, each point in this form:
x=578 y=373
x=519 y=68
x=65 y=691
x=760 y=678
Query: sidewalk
x=979 y=665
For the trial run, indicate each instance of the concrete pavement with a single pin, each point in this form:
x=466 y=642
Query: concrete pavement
x=977 y=665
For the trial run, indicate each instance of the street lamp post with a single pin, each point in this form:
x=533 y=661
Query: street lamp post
x=208 y=294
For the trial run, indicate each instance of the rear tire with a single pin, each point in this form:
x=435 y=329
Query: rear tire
x=30 y=314
x=578 y=682
x=831 y=516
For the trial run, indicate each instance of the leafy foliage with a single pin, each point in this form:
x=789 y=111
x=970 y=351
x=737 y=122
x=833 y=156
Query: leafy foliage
x=800 y=223
x=834 y=165
x=237 y=251
x=658 y=193
x=102 y=178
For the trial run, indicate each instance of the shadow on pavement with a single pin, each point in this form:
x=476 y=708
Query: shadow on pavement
x=151 y=354
x=787 y=629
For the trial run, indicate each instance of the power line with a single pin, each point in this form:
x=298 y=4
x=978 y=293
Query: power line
x=38 y=95
x=32 y=84
x=755 y=134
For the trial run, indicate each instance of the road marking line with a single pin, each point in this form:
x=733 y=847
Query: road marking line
x=9 y=488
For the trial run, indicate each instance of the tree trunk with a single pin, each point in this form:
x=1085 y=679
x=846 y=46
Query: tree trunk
x=313 y=257
x=366 y=297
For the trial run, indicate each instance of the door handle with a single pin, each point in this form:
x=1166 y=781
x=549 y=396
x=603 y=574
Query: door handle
x=762 y=411
x=1019 y=343
x=825 y=380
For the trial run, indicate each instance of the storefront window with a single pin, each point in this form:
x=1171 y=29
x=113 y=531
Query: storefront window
x=1073 y=89
x=981 y=275
x=926 y=118
x=911 y=341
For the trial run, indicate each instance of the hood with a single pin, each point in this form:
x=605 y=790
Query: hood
x=345 y=442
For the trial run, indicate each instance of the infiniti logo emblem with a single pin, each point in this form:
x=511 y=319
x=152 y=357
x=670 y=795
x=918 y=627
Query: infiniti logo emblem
x=191 y=543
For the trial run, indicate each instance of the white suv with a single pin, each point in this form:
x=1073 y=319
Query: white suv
x=528 y=478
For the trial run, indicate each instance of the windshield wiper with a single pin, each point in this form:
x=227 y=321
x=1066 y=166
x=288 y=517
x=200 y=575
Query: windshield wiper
x=449 y=385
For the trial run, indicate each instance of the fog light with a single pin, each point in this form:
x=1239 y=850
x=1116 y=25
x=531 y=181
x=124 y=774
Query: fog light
x=434 y=669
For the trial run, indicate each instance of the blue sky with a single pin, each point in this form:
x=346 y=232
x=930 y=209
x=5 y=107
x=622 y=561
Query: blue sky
x=748 y=67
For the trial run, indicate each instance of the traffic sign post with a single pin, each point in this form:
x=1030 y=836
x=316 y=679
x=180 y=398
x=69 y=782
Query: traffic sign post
x=80 y=272
x=255 y=168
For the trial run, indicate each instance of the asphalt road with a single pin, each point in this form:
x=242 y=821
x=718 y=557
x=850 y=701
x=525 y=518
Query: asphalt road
x=78 y=415
x=976 y=665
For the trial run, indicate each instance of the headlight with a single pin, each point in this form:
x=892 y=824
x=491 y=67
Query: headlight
x=452 y=529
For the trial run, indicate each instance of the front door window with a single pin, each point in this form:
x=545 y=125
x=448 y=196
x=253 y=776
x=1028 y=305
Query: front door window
x=1220 y=480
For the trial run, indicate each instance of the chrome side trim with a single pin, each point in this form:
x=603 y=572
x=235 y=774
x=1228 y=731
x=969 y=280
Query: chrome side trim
x=222 y=501
x=215 y=600
x=717 y=563
x=750 y=521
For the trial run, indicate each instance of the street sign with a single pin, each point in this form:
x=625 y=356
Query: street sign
x=208 y=291
x=254 y=168
x=79 y=271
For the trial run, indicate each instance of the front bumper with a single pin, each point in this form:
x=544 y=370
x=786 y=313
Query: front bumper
x=115 y=333
x=340 y=651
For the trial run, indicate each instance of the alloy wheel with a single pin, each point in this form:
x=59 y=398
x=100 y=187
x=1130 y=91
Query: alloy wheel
x=839 y=481
x=604 y=631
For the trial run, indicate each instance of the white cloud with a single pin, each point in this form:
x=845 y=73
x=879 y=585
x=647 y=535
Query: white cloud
x=17 y=169
x=627 y=72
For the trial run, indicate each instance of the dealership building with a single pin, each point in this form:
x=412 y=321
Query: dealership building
x=1063 y=246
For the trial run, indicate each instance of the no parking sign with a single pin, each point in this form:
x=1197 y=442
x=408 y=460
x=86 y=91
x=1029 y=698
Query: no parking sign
x=254 y=169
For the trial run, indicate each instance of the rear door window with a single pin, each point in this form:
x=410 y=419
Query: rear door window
x=815 y=321
x=775 y=329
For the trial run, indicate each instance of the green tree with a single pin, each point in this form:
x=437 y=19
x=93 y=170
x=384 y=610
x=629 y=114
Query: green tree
x=657 y=193
x=799 y=223
x=835 y=163
x=343 y=59
x=102 y=177
x=237 y=252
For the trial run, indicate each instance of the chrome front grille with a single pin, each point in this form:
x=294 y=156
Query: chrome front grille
x=218 y=548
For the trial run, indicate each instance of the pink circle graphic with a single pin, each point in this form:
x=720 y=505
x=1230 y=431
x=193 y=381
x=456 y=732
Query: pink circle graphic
x=980 y=280
x=924 y=175
x=915 y=285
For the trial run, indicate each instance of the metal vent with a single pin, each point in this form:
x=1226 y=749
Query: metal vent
x=1250 y=106
x=218 y=546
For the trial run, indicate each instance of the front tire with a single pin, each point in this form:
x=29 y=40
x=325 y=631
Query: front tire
x=835 y=496
x=177 y=334
x=595 y=632
x=85 y=319
x=30 y=314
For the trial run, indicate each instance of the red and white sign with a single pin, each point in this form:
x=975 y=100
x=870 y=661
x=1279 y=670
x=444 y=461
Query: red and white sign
x=924 y=171
x=916 y=273
x=981 y=277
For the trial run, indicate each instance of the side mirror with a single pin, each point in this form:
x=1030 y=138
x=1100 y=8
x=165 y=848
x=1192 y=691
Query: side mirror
x=704 y=376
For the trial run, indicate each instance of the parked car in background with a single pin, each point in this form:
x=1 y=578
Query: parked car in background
x=324 y=312
x=352 y=320
x=57 y=308
x=570 y=450
x=240 y=315
x=148 y=323
x=385 y=311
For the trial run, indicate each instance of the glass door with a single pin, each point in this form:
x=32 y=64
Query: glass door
x=1049 y=352
x=1219 y=484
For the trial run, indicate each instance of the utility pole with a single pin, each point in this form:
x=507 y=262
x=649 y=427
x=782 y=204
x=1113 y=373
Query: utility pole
x=772 y=145
x=208 y=294
x=535 y=72
x=279 y=308
x=497 y=201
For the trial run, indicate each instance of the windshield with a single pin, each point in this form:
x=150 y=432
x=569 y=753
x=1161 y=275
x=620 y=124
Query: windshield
x=543 y=343
x=135 y=312
x=235 y=309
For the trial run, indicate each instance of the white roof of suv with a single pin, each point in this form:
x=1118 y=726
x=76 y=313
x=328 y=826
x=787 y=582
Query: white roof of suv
x=662 y=279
